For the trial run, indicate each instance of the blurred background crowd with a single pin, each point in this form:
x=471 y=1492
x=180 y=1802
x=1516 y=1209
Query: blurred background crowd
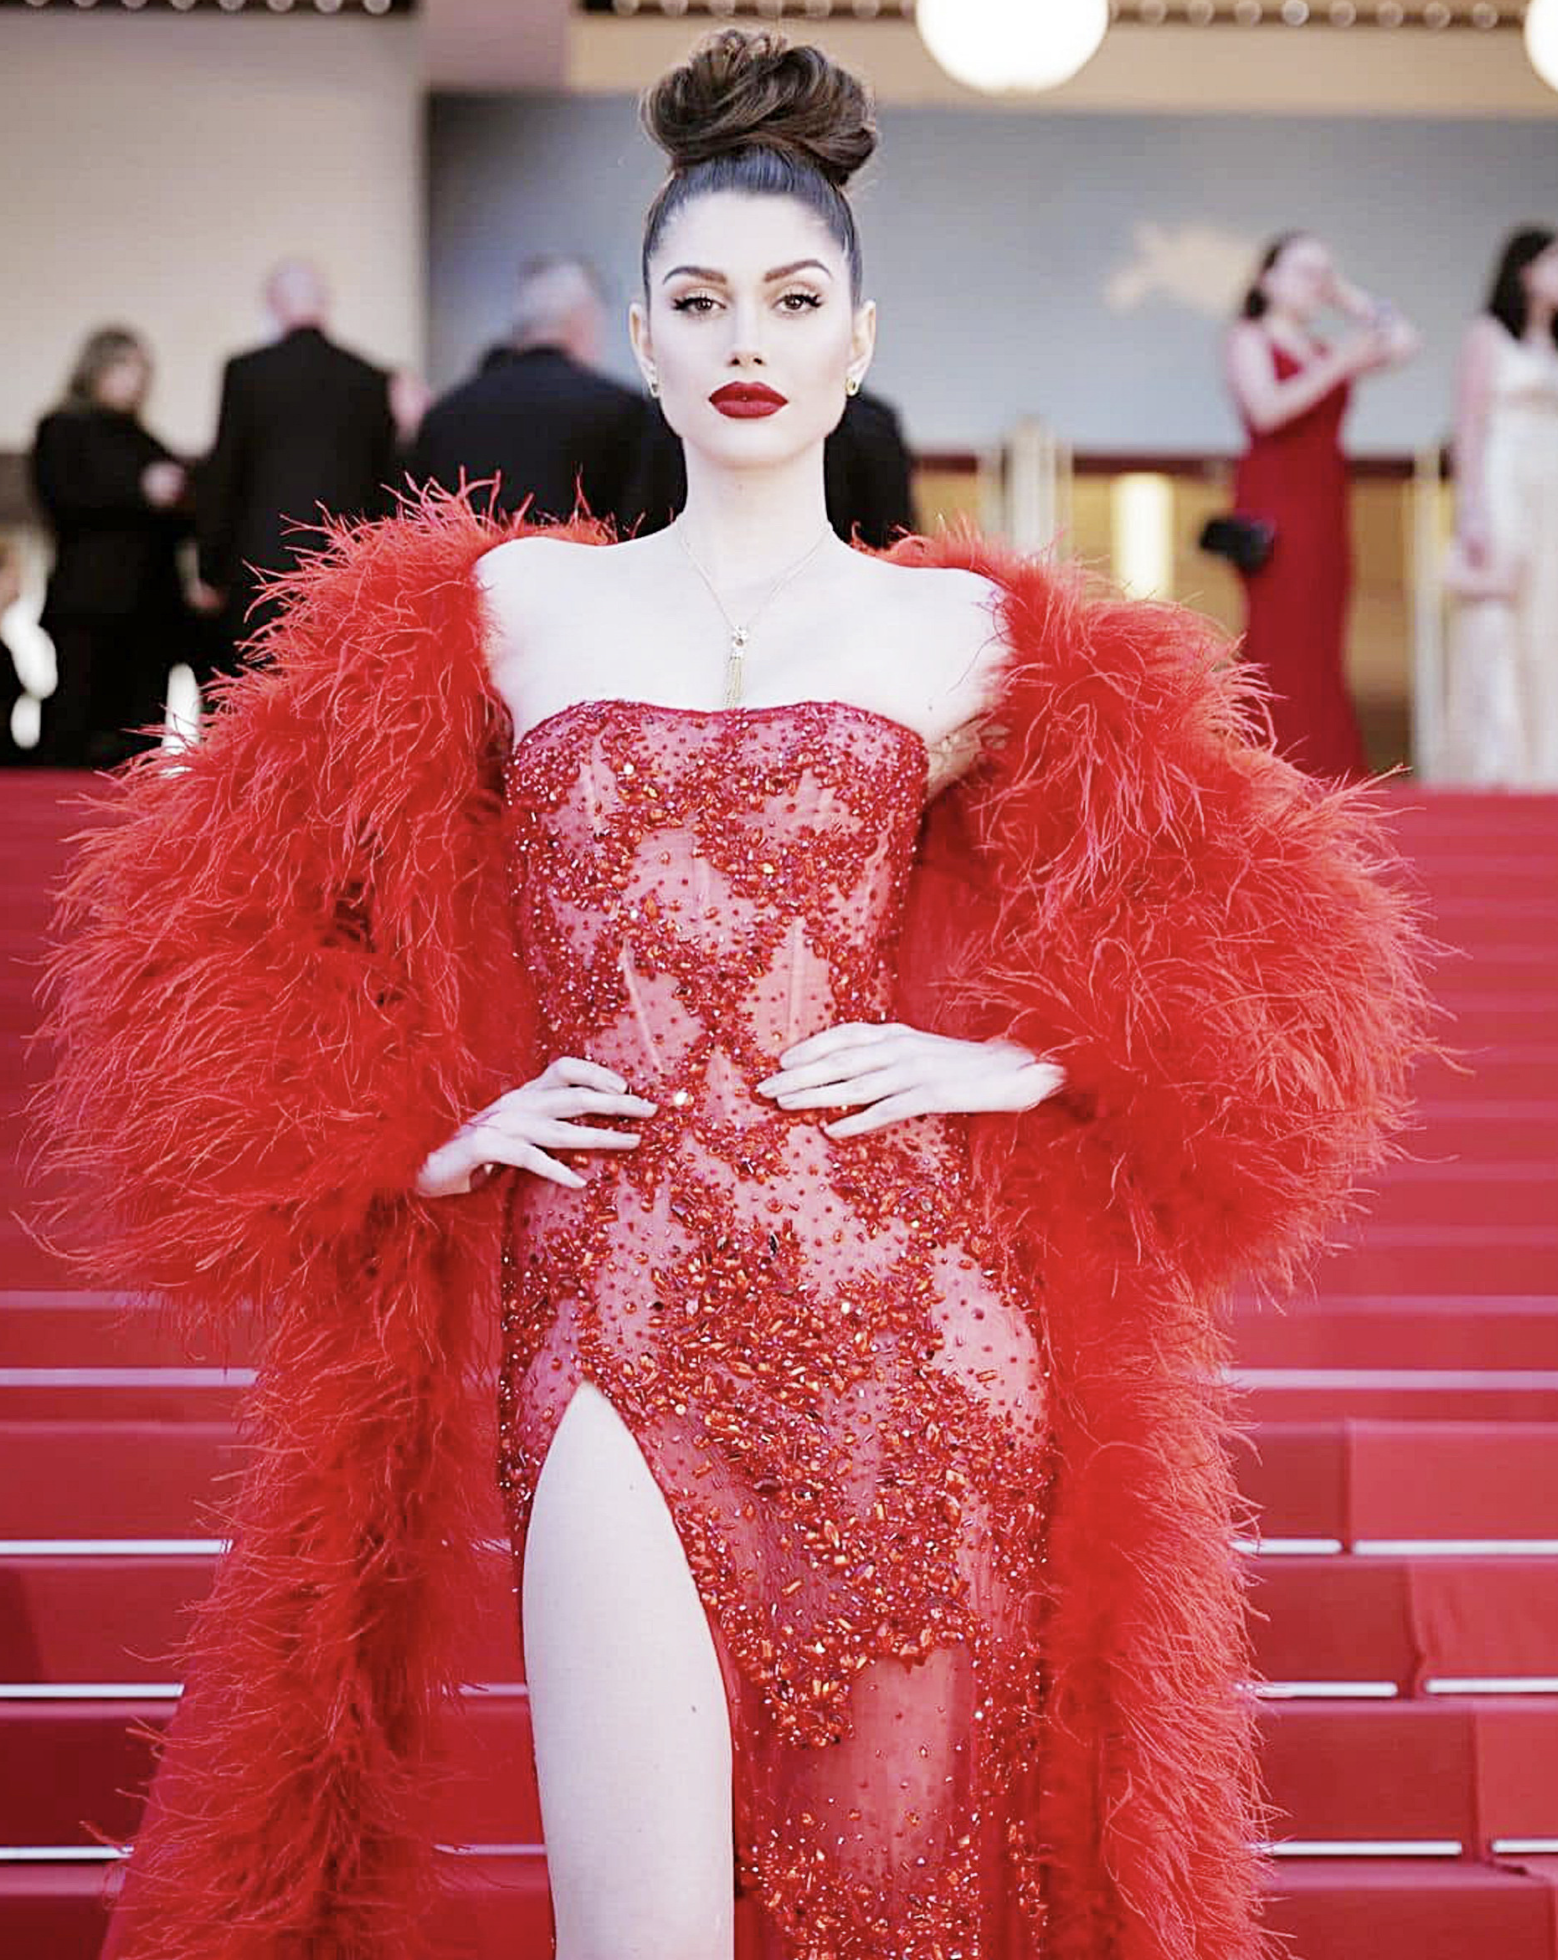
x=160 y=562
x=1399 y=608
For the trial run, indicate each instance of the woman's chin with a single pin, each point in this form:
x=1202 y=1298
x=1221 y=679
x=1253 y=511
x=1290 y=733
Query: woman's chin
x=751 y=442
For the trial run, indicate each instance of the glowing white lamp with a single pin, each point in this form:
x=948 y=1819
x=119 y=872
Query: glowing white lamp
x=1542 y=39
x=1014 y=47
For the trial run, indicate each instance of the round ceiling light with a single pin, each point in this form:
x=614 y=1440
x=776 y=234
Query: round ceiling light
x=1012 y=47
x=1542 y=39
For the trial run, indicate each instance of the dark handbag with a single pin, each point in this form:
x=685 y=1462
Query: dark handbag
x=1245 y=541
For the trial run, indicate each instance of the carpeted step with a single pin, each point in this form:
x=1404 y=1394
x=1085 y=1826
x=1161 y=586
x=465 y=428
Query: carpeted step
x=1447 y=1769
x=496 y=1908
x=170 y=1394
x=1407 y=1622
x=1412 y=1623
x=1409 y=1909
x=1387 y=1481
x=1333 y=1619
x=1490 y=1071
x=1388 y=1331
x=57 y=1327
x=65 y=1479
x=1479 y=1395
x=1330 y=1908
x=1486 y=1194
x=1517 y=898
x=70 y=1763
x=1512 y=963
x=1487 y=1018
x=1483 y=1132
x=118 y=1619
x=118 y=1394
x=60 y=1327
x=1329 y=1479
x=1446 y=1259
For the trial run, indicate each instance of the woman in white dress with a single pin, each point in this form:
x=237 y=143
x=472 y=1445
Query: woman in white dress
x=1502 y=707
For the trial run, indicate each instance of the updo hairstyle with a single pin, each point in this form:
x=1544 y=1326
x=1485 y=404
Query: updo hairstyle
x=749 y=111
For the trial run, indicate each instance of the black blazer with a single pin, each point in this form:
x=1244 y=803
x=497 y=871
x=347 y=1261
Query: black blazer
x=866 y=468
x=114 y=553
x=868 y=471
x=303 y=423
x=548 y=428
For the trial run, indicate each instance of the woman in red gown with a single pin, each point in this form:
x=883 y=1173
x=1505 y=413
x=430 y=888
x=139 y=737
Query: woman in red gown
x=1292 y=392
x=847 y=1017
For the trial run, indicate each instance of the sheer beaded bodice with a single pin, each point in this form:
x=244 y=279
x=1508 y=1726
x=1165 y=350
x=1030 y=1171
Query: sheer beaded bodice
x=807 y=1336
x=701 y=891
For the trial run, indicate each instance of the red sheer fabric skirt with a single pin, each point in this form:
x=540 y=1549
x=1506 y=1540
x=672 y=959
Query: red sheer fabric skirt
x=839 y=1397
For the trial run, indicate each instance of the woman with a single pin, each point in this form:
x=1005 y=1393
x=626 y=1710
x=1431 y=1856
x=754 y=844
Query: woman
x=1502 y=699
x=1292 y=392
x=114 y=607
x=865 y=1177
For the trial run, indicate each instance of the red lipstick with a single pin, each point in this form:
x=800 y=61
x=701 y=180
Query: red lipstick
x=744 y=400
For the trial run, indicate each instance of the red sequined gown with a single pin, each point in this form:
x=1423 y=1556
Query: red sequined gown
x=807 y=1337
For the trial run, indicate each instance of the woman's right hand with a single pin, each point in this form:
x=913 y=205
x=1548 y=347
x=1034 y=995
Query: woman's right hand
x=527 y=1123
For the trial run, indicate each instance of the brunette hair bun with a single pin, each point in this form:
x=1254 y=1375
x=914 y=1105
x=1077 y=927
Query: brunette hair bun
x=740 y=90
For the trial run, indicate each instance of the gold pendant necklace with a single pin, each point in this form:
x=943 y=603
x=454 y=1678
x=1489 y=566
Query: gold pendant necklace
x=741 y=634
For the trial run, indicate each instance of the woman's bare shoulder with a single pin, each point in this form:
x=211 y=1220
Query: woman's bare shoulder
x=532 y=559
x=945 y=619
x=533 y=580
x=950 y=607
x=953 y=593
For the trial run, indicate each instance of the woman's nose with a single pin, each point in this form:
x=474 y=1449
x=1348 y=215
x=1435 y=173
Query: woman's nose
x=746 y=334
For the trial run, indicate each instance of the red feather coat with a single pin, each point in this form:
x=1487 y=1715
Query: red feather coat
x=285 y=971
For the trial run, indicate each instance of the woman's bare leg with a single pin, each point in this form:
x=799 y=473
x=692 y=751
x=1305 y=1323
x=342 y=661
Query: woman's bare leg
x=631 y=1730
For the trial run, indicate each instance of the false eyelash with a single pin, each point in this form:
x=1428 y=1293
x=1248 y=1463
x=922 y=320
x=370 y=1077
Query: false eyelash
x=688 y=301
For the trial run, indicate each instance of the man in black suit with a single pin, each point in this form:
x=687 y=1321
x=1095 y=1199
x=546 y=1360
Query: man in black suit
x=538 y=414
x=868 y=472
x=303 y=424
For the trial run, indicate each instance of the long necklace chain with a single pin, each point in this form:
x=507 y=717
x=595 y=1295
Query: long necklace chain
x=740 y=634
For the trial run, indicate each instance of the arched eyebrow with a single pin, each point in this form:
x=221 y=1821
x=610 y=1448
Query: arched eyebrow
x=718 y=278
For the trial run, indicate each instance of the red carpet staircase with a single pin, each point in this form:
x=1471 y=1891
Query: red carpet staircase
x=1405 y=1453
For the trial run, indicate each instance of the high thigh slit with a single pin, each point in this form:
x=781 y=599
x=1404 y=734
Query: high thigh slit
x=837 y=1394
x=629 y=1708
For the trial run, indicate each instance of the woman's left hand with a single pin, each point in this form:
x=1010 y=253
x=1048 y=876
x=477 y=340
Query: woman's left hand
x=900 y=1072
